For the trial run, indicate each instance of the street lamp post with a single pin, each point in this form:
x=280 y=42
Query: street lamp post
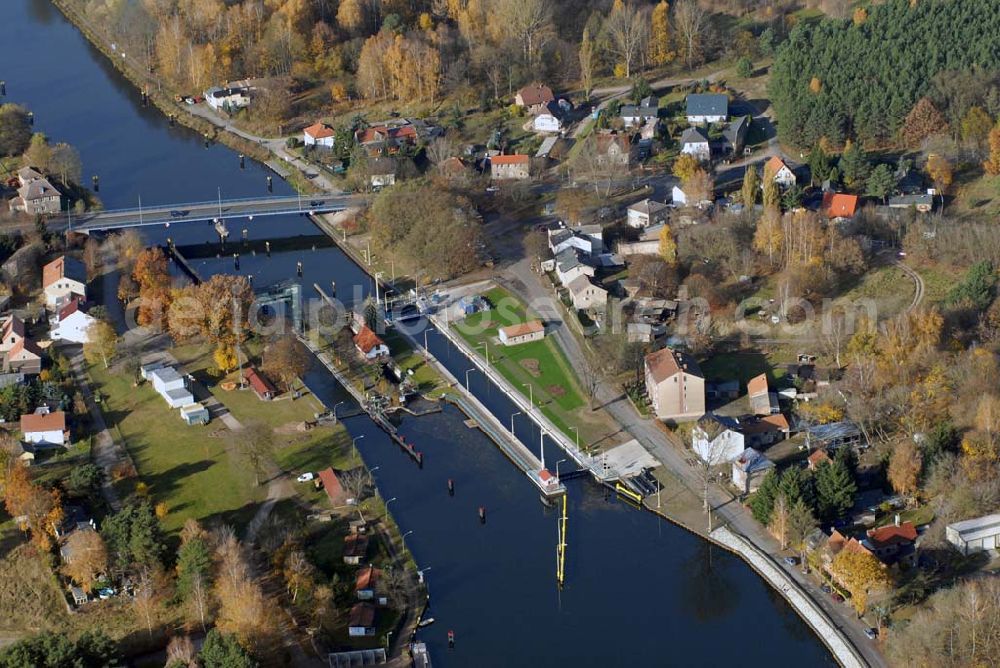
x=378 y=275
x=557 y=468
x=467 y=371
x=219 y=190
x=371 y=474
x=335 y=410
x=531 y=393
x=354 y=445
x=384 y=517
x=512 y=416
x=577 y=433
x=429 y=329
x=487 y=344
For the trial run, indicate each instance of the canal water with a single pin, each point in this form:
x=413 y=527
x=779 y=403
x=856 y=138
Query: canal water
x=639 y=591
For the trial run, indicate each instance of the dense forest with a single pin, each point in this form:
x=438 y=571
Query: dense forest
x=859 y=78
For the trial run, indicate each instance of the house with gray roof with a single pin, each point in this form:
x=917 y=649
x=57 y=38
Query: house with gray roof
x=707 y=108
x=694 y=142
x=735 y=134
x=637 y=115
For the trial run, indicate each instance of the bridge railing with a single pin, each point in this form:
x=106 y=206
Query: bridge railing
x=304 y=201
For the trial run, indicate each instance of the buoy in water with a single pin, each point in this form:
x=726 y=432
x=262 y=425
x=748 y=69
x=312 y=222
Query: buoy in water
x=270 y=187
x=482 y=514
x=298 y=268
x=451 y=639
x=3 y=87
x=96 y=181
x=451 y=487
x=267 y=247
x=243 y=164
x=236 y=261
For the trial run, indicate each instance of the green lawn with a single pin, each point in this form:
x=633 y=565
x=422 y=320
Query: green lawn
x=744 y=366
x=187 y=468
x=540 y=364
x=887 y=286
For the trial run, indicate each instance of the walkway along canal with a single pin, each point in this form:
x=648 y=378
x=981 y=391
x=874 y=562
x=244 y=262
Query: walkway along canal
x=639 y=591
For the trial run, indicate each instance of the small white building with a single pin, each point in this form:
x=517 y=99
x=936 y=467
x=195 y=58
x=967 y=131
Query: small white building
x=515 y=167
x=707 y=108
x=586 y=294
x=170 y=385
x=70 y=324
x=694 y=142
x=318 y=134
x=780 y=172
x=63 y=279
x=524 y=332
x=681 y=198
x=636 y=115
x=43 y=428
x=647 y=213
x=194 y=414
x=569 y=267
x=586 y=238
x=546 y=123
x=369 y=344
x=976 y=535
x=749 y=470
x=717 y=439
x=228 y=99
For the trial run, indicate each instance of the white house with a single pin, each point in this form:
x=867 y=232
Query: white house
x=749 y=470
x=195 y=414
x=681 y=198
x=524 y=332
x=586 y=294
x=369 y=344
x=707 y=108
x=569 y=267
x=382 y=170
x=716 y=439
x=510 y=167
x=70 y=324
x=230 y=98
x=318 y=134
x=780 y=172
x=636 y=115
x=170 y=385
x=586 y=238
x=546 y=123
x=43 y=428
x=36 y=195
x=694 y=142
x=646 y=213
x=62 y=279
x=976 y=535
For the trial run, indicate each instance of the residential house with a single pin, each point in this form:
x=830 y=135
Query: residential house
x=510 y=167
x=454 y=169
x=355 y=548
x=648 y=242
x=675 y=384
x=694 y=142
x=839 y=206
x=734 y=135
x=319 y=134
x=613 y=150
x=975 y=535
x=707 y=108
x=44 y=429
x=170 y=385
x=718 y=438
x=893 y=543
x=586 y=294
x=382 y=139
x=361 y=621
x=366 y=582
x=922 y=202
x=749 y=470
x=816 y=459
x=35 y=194
x=331 y=485
x=780 y=172
x=762 y=400
x=63 y=279
x=195 y=414
x=569 y=266
x=261 y=386
x=681 y=198
x=647 y=213
x=588 y=239
x=548 y=122
x=75 y=518
x=637 y=115
x=70 y=323
x=382 y=171
x=228 y=99
x=535 y=98
x=833 y=435
x=525 y=332
x=370 y=345
x=20 y=355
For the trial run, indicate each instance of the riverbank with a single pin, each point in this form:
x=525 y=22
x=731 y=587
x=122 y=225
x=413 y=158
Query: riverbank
x=180 y=113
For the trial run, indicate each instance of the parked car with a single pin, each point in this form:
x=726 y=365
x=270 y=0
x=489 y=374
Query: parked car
x=791 y=561
x=826 y=588
x=871 y=633
x=306 y=477
x=105 y=593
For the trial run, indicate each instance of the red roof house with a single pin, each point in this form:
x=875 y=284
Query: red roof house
x=370 y=344
x=331 y=484
x=261 y=386
x=839 y=205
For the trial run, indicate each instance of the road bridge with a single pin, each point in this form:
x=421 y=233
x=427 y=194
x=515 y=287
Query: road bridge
x=219 y=210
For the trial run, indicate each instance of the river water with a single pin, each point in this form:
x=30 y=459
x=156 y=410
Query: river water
x=639 y=591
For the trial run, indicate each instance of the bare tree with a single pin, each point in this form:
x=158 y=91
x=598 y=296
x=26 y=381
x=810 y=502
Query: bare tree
x=527 y=21
x=354 y=482
x=591 y=380
x=440 y=150
x=147 y=596
x=198 y=595
x=628 y=31
x=255 y=444
x=181 y=650
x=690 y=24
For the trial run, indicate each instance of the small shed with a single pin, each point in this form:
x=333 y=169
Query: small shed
x=331 y=484
x=79 y=596
x=355 y=548
x=362 y=620
x=524 y=332
x=194 y=414
x=260 y=385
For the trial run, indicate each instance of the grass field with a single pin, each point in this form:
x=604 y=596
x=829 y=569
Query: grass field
x=542 y=365
x=744 y=366
x=887 y=286
x=187 y=468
